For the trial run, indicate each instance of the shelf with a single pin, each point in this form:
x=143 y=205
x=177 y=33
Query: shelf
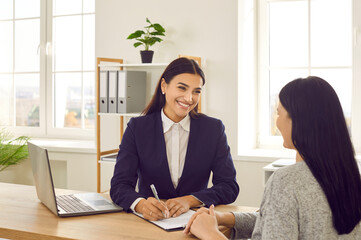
x=113 y=64
x=120 y=114
x=107 y=162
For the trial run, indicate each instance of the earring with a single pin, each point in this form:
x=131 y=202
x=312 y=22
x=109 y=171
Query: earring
x=163 y=93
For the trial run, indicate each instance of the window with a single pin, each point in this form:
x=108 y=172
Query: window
x=19 y=63
x=247 y=77
x=298 y=38
x=47 y=67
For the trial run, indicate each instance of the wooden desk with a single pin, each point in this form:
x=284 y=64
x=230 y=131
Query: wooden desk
x=23 y=216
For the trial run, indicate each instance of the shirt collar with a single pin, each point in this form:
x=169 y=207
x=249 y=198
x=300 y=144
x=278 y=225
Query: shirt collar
x=167 y=123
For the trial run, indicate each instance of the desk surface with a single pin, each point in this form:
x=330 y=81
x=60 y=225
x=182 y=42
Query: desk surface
x=23 y=216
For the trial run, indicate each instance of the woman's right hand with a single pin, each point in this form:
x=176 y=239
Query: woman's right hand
x=189 y=224
x=152 y=209
x=203 y=224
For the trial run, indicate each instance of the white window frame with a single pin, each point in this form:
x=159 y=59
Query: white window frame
x=247 y=76
x=46 y=127
x=52 y=130
x=251 y=135
x=23 y=130
x=356 y=73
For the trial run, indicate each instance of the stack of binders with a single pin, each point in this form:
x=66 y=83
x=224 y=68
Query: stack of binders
x=122 y=91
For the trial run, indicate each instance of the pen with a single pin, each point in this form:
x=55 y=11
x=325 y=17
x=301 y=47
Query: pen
x=154 y=191
x=155 y=194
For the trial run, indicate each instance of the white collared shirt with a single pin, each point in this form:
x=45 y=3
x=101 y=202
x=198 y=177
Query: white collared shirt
x=176 y=137
x=176 y=155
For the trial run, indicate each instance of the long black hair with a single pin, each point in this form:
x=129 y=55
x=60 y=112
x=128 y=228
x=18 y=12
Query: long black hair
x=320 y=135
x=176 y=67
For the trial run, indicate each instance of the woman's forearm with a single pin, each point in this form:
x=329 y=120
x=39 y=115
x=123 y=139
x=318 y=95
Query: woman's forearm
x=226 y=219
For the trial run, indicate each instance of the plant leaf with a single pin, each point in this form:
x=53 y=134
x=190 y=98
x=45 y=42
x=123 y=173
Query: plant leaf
x=146 y=41
x=12 y=151
x=136 y=34
x=157 y=34
x=152 y=41
x=137 y=44
x=157 y=39
x=158 y=27
x=148 y=21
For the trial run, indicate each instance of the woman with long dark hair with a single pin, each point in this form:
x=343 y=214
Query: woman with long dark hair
x=175 y=148
x=319 y=197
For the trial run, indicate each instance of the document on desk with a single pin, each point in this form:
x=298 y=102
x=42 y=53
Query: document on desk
x=171 y=224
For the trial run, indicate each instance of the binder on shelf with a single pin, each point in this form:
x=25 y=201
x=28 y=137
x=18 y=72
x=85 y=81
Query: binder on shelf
x=121 y=92
x=131 y=91
x=109 y=158
x=112 y=99
x=103 y=91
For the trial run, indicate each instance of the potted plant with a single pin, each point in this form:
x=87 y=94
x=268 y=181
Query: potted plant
x=12 y=151
x=147 y=38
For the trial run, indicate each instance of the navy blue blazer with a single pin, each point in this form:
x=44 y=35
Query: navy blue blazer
x=142 y=156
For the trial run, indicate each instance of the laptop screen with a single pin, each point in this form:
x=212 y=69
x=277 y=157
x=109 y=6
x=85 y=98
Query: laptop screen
x=42 y=176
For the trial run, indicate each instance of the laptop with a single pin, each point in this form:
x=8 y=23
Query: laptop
x=64 y=205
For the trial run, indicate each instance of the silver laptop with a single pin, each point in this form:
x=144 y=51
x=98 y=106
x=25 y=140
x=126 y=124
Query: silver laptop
x=64 y=205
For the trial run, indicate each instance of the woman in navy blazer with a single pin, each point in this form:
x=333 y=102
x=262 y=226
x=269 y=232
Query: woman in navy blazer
x=145 y=152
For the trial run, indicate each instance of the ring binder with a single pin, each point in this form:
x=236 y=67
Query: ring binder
x=131 y=91
x=103 y=91
x=113 y=91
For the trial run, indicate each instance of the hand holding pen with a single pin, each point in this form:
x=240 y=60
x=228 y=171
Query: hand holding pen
x=165 y=212
x=152 y=209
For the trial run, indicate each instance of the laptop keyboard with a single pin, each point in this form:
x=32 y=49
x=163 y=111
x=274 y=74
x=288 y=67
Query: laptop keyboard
x=72 y=204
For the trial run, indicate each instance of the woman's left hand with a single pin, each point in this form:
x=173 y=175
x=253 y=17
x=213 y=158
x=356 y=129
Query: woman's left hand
x=177 y=206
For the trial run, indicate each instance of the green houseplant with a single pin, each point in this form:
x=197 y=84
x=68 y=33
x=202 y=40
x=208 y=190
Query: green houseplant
x=147 y=38
x=12 y=151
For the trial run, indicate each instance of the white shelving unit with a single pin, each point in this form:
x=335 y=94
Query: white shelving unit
x=268 y=171
x=274 y=166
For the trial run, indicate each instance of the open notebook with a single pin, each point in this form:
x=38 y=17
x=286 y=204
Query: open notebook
x=171 y=224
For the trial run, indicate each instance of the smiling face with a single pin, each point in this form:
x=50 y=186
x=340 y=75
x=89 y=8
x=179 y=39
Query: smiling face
x=284 y=124
x=181 y=95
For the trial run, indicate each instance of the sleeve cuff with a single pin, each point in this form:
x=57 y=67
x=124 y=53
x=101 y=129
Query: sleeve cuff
x=244 y=225
x=201 y=205
x=132 y=207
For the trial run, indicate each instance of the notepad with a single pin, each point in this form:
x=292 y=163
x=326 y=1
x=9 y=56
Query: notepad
x=171 y=224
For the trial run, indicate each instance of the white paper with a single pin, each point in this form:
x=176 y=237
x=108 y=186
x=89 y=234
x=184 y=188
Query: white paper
x=172 y=223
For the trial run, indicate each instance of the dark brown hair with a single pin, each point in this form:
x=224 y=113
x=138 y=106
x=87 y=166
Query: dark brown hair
x=178 y=66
